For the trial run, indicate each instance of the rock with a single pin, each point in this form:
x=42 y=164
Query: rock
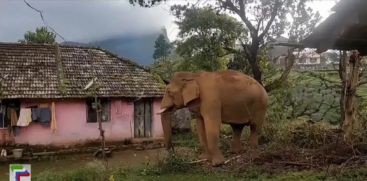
x=182 y=120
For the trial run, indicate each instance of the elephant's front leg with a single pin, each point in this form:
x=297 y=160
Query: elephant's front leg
x=202 y=138
x=212 y=130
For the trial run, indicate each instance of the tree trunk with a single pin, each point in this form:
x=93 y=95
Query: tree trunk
x=253 y=60
x=350 y=90
x=343 y=77
x=255 y=68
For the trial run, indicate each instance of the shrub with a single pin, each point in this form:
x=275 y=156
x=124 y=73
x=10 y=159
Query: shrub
x=300 y=132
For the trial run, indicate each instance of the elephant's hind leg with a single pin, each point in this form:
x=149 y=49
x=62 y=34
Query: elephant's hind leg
x=255 y=126
x=202 y=138
x=236 y=146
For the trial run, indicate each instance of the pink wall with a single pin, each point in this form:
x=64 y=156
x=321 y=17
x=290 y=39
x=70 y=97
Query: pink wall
x=73 y=128
x=157 y=124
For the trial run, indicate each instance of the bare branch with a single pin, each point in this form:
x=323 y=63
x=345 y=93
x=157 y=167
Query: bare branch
x=260 y=22
x=362 y=83
x=274 y=13
x=278 y=82
x=240 y=12
x=43 y=19
x=295 y=45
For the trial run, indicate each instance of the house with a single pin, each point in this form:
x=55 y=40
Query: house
x=305 y=60
x=47 y=82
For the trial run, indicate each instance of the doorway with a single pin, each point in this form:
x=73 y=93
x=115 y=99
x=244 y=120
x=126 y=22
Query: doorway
x=143 y=118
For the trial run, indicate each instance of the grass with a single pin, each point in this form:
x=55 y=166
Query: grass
x=97 y=173
x=177 y=167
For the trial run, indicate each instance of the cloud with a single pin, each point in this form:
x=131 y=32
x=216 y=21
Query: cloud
x=82 y=20
x=91 y=20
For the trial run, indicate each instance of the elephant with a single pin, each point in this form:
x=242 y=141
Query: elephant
x=228 y=97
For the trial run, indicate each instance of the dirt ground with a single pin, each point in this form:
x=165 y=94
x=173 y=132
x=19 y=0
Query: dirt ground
x=122 y=159
x=331 y=156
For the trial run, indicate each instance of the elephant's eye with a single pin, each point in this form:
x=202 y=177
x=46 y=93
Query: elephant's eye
x=170 y=93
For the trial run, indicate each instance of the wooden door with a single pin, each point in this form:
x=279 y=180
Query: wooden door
x=142 y=118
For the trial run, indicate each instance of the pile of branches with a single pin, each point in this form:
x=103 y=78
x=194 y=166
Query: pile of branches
x=334 y=156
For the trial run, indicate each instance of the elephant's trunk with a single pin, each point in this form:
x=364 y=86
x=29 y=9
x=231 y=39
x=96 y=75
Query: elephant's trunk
x=166 y=118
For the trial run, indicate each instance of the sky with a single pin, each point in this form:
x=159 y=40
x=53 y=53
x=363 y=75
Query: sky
x=92 y=20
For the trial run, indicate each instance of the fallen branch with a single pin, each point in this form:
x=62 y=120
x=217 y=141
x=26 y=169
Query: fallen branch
x=198 y=161
x=233 y=158
x=298 y=164
x=344 y=164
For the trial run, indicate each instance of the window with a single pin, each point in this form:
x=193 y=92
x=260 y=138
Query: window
x=313 y=60
x=105 y=111
x=3 y=122
x=6 y=110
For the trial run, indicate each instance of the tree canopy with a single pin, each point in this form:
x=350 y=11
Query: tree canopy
x=206 y=38
x=264 y=20
x=41 y=35
x=162 y=47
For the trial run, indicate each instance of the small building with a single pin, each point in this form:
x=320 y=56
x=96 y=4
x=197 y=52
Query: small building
x=44 y=100
x=305 y=60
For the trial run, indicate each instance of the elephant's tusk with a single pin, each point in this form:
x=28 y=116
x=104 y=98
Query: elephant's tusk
x=161 y=111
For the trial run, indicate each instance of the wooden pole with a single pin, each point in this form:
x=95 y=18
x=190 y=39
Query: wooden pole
x=101 y=131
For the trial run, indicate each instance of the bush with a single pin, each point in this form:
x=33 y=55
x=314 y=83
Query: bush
x=302 y=133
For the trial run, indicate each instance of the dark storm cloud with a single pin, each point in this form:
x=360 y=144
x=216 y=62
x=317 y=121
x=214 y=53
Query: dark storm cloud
x=81 y=20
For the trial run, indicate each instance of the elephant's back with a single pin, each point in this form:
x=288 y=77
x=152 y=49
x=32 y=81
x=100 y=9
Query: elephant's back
x=235 y=77
x=242 y=88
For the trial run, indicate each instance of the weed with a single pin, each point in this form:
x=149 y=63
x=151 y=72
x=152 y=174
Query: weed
x=187 y=139
x=176 y=163
x=94 y=171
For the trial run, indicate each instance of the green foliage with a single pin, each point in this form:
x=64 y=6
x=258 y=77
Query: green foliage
x=162 y=47
x=206 y=38
x=176 y=163
x=187 y=139
x=300 y=133
x=94 y=171
x=312 y=95
x=41 y=35
x=356 y=175
x=164 y=67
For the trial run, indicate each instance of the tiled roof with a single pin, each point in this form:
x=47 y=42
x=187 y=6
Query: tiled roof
x=50 y=71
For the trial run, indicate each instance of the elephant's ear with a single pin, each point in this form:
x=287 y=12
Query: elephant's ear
x=166 y=101
x=190 y=91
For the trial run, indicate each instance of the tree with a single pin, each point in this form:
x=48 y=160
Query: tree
x=265 y=19
x=164 y=67
x=268 y=18
x=162 y=47
x=41 y=35
x=206 y=38
x=145 y=3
